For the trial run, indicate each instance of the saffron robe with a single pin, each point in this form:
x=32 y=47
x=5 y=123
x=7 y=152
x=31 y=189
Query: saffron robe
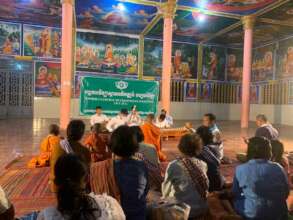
x=47 y=145
x=98 y=147
x=152 y=135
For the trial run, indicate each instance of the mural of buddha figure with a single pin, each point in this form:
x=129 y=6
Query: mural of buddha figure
x=213 y=65
x=108 y=58
x=289 y=61
x=177 y=62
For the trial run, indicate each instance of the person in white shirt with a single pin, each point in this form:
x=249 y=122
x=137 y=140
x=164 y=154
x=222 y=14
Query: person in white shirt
x=99 y=117
x=117 y=121
x=169 y=118
x=134 y=118
x=162 y=122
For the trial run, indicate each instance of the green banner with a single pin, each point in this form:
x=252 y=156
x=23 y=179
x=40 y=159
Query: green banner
x=113 y=94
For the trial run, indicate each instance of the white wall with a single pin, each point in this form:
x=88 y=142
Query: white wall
x=282 y=114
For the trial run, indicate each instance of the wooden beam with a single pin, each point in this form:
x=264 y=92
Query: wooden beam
x=223 y=31
x=270 y=7
x=278 y=22
x=150 y=26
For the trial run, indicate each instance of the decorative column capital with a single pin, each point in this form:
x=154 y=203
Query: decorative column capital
x=67 y=2
x=168 y=9
x=248 y=22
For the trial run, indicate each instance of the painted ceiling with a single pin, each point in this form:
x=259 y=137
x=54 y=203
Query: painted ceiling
x=192 y=26
x=39 y=12
x=113 y=16
x=229 y=6
x=264 y=32
x=130 y=18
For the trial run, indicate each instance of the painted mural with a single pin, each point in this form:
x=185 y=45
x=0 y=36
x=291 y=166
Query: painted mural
x=190 y=94
x=184 y=61
x=231 y=6
x=205 y=92
x=41 y=12
x=113 y=16
x=41 y=41
x=47 y=79
x=234 y=65
x=153 y=52
x=285 y=59
x=254 y=94
x=107 y=54
x=10 y=38
x=214 y=61
x=263 y=63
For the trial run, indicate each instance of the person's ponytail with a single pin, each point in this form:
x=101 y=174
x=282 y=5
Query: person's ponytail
x=73 y=202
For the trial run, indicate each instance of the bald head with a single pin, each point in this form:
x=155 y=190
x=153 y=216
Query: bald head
x=150 y=118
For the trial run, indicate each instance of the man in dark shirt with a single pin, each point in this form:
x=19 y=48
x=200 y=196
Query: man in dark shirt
x=265 y=129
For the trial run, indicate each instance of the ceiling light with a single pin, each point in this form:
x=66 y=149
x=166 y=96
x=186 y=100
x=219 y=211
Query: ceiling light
x=121 y=7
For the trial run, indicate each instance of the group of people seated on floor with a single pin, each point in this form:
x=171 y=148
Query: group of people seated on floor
x=131 y=119
x=124 y=179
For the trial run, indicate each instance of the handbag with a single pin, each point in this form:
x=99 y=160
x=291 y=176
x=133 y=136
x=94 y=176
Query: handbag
x=168 y=209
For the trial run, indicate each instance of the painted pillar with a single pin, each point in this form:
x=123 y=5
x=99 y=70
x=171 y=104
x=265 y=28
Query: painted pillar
x=248 y=23
x=66 y=62
x=168 y=12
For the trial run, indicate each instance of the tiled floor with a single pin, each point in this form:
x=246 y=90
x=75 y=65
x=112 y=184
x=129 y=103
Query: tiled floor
x=22 y=136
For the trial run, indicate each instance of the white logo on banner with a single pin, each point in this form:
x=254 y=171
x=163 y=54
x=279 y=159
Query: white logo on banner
x=121 y=85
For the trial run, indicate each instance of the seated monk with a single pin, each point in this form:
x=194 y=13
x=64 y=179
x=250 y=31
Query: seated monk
x=96 y=141
x=51 y=141
x=152 y=135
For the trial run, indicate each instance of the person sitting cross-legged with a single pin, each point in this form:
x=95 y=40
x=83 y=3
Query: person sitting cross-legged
x=97 y=142
x=73 y=202
x=152 y=135
x=209 y=120
x=149 y=155
x=209 y=155
x=46 y=148
x=265 y=129
x=186 y=177
x=123 y=177
x=260 y=186
x=72 y=144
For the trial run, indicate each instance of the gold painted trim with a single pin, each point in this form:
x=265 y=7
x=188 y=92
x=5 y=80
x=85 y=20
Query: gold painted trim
x=277 y=22
x=140 y=57
x=270 y=7
x=72 y=2
x=169 y=8
x=142 y=2
x=248 y=22
x=153 y=22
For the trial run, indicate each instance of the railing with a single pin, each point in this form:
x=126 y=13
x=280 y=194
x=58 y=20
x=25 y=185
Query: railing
x=274 y=93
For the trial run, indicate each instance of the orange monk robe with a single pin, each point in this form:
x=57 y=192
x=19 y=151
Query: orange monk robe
x=152 y=135
x=98 y=147
x=47 y=145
